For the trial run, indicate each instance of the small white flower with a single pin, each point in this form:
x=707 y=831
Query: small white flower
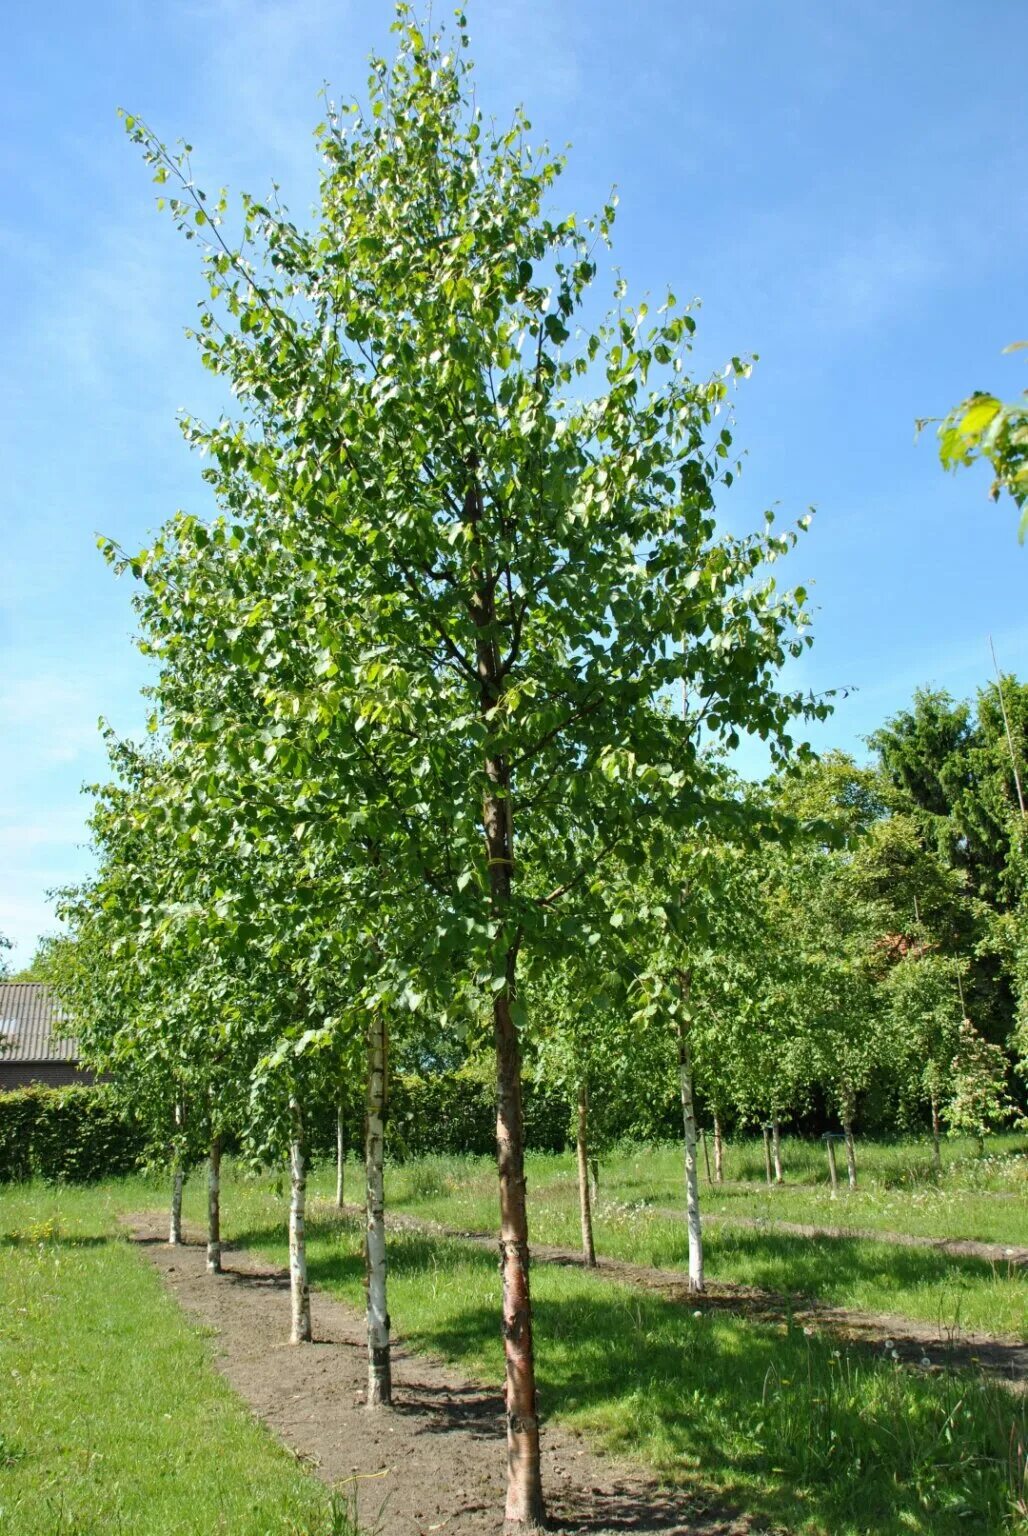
x=895 y=1354
x=886 y=1343
x=697 y=1313
x=925 y=1360
x=809 y=1332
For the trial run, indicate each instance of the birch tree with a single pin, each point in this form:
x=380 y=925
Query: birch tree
x=505 y=527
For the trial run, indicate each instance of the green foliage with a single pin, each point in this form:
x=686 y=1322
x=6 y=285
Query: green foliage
x=985 y=427
x=78 y=1134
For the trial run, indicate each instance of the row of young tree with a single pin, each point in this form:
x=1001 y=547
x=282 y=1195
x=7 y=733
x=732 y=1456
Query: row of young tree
x=444 y=699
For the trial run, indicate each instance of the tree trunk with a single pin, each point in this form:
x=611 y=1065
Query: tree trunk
x=706 y=1154
x=936 y=1143
x=833 y=1172
x=851 y=1153
x=594 y=1180
x=719 y=1151
x=767 y=1154
x=524 y=1506
x=178 y=1178
x=214 y=1208
x=299 y=1289
x=776 y=1147
x=692 y=1183
x=340 y=1158
x=380 y=1386
x=588 y=1249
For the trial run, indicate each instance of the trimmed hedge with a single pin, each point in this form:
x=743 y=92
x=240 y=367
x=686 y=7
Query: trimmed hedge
x=69 y=1135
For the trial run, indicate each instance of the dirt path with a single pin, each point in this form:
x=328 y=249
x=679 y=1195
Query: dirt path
x=435 y=1462
x=1002 y=1357
x=958 y=1247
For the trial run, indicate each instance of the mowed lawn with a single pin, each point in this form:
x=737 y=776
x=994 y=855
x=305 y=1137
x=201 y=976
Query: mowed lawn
x=113 y=1420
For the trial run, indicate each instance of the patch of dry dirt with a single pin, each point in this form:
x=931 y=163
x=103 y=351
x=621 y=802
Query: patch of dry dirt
x=436 y=1461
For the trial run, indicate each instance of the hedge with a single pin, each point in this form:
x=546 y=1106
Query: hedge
x=82 y=1134
x=72 y=1135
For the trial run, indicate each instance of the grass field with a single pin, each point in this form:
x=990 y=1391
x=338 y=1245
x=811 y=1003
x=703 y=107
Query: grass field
x=116 y=1409
x=935 y=1288
x=113 y=1421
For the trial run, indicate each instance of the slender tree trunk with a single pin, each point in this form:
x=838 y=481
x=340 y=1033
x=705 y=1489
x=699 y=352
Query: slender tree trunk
x=178 y=1178
x=776 y=1147
x=380 y=1386
x=833 y=1172
x=214 y=1208
x=936 y=1143
x=299 y=1289
x=588 y=1249
x=851 y=1153
x=719 y=1151
x=692 y=1182
x=706 y=1154
x=767 y=1154
x=524 y=1506
x=340 y=1158
x=594 y=1180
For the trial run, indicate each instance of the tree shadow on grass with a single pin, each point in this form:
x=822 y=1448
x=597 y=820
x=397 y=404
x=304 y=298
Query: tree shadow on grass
x=796 y=1429
x=54 y=1240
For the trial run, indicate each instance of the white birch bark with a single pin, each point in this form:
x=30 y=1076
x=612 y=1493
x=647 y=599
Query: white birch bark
x=340 y=1159
x=214 y=1208
x=767 y=1154
x=692 y=1182
x=833 y=1172
x=776 y=1148
x=299 y=1288
x=936 y=1144
x=380 y=1392
x=178 y=1178
x=719 y=1151
x=584 y=1201
x=851 y=1154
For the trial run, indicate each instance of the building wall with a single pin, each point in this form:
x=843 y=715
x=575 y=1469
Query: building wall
x=49 y=1074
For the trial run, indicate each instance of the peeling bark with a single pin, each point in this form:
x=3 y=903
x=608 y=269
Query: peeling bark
x=524 y=1506
x=299 y=1289
x=214 y=1208
x=380 y=1387
x=585 y=1206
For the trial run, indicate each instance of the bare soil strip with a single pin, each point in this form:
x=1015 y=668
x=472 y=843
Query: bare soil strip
x=435 y=1461
x=999 y=1356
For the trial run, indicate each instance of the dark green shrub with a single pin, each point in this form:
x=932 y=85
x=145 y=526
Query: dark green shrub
x=70 y=1135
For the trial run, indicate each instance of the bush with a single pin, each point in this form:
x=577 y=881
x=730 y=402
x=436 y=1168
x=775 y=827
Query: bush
x=69 y=1135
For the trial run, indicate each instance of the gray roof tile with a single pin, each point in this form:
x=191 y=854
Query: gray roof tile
x=31 y=1020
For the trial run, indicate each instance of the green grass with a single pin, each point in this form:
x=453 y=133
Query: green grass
x=939 y=1289
x=766 y=1419
x=809 y=1438
x=113 y=1421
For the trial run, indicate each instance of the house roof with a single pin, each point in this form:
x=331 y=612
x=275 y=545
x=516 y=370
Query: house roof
x=31 y=1020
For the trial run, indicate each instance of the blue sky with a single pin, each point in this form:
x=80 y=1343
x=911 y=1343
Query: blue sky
x=843 y=186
